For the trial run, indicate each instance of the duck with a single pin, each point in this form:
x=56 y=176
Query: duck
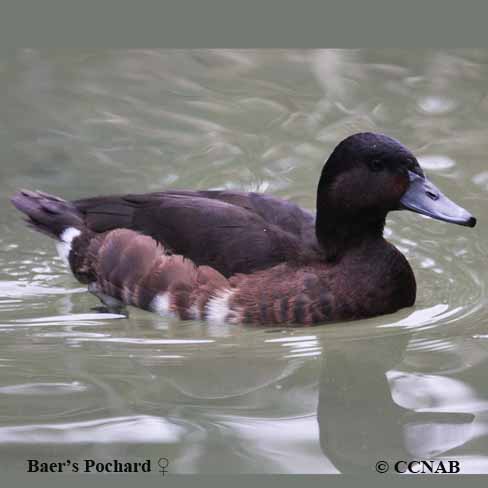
x=249 y=258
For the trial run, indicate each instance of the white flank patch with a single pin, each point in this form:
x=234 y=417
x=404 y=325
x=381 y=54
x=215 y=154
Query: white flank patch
x=195 y=312
x=64 y=247
x=218 y=307
x=161 y=305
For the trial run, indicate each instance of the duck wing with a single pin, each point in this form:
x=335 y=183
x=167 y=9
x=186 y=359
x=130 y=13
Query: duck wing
x=116 y=211
x=277 y=211
x=230 y=231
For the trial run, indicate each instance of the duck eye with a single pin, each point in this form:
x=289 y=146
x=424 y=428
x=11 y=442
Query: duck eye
x=376 y=165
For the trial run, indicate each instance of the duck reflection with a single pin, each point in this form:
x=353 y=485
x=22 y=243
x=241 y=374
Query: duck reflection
x=361 y=411
x=333 y=400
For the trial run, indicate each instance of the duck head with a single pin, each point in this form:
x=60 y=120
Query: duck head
x=368 y=175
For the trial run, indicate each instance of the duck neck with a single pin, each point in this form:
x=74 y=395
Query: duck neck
x=338 y=233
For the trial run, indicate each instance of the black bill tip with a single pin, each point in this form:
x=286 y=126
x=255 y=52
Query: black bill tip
x=471 y=222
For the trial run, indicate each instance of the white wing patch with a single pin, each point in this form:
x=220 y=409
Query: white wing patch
x=64 y=246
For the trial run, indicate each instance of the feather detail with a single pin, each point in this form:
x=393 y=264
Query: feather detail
x=133 y=269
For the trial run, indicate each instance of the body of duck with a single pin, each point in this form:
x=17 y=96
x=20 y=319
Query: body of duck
x=250 y=258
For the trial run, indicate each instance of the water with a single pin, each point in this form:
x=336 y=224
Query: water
x=77 y=384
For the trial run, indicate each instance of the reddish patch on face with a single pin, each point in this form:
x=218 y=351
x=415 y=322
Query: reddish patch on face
x=399 y=185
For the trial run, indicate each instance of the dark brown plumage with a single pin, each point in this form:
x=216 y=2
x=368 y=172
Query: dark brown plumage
x=223 y=220
x=236 y=257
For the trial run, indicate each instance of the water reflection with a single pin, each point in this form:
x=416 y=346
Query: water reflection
x=378 y=399
x=333 y=399
x=409 y=415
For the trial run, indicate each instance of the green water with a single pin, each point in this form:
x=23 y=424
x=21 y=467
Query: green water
x=77 y=384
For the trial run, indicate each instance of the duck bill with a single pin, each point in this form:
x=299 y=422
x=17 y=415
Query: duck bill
x=423 y=197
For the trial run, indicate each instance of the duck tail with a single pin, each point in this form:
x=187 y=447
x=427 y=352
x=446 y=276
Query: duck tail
x=48 y=214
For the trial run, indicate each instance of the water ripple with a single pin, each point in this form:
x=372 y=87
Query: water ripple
x=133 y=429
